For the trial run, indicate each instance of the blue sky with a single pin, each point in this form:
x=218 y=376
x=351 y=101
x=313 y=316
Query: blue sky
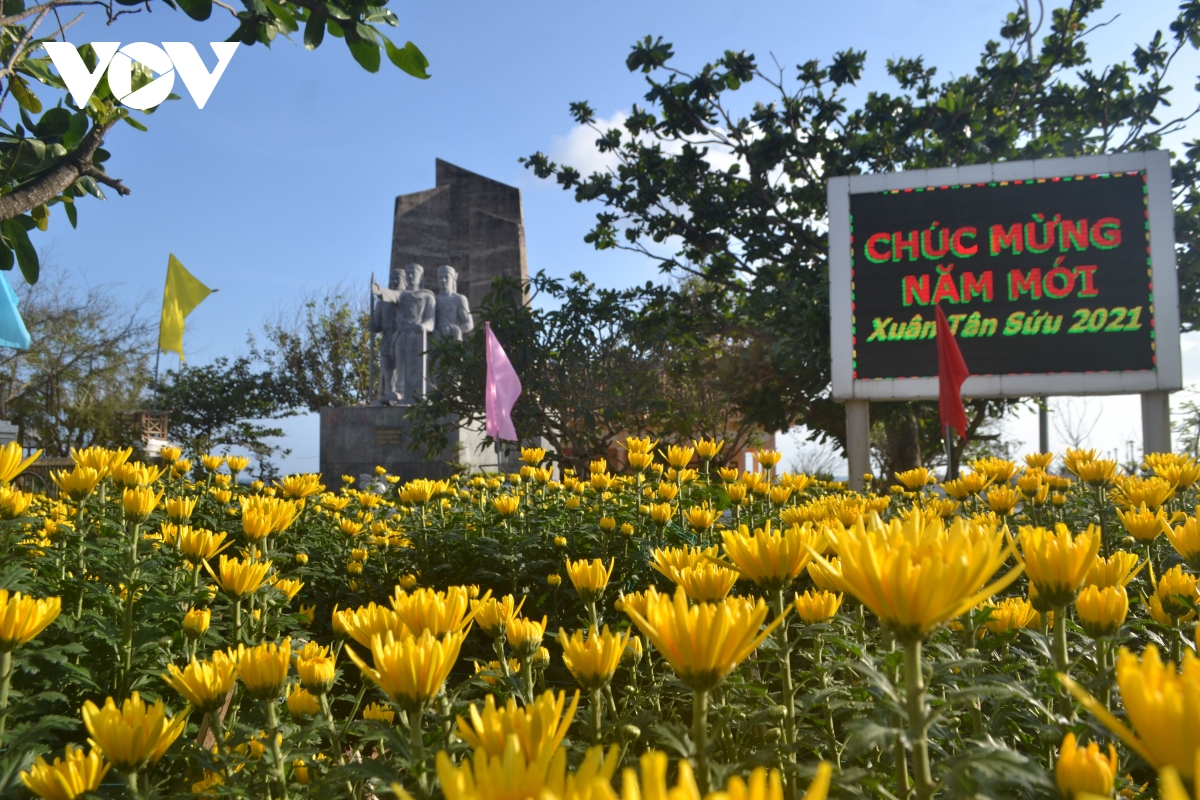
x=284 y=182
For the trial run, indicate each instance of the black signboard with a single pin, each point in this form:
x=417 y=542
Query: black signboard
x=1037 y=276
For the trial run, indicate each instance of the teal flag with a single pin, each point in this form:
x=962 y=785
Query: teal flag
x=13 y=332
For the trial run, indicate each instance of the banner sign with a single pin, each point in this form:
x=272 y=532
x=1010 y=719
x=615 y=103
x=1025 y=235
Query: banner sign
x=1055 y=278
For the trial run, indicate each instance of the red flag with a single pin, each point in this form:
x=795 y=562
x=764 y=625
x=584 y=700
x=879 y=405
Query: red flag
x=952 y=371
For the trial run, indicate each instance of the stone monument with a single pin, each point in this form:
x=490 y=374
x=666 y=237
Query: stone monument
x=472 y=227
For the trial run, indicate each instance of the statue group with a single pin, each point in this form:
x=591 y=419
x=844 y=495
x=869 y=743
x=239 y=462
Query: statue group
x=407 y=315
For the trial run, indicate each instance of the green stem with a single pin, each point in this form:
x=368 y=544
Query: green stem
x=498 y=645
x=1062 y=659
x=918 y=721
x=785 y=665
x=416 y=742
x=700 y=736
x=597 y=709
x=6 y=671
x=335 y=749
x=276 y=751
x=527 y=676
x=131 y=781
x=1102 y=650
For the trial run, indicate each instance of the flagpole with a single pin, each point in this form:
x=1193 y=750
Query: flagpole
x=157 y=356
x=949 y=456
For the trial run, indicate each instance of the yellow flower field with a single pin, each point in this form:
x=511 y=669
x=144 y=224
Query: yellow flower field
x=669 y=632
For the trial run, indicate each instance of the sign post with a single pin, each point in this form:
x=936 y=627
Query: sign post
x=1057 y=278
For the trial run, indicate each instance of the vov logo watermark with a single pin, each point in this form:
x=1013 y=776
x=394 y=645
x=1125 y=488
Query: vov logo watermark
x=163 y=61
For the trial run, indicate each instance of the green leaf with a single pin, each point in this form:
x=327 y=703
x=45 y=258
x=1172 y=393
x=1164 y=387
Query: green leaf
x=27 y=256
x=198 y=10
x=27 y=99
x=75 y=131
x=6 y=257
x=335 y=29
x=72 y=216
x=133 y=123
x=409 y=58
x=54 y=122
x=41 y=216
x=283 y=15
x=366 y=54
x=314 y=31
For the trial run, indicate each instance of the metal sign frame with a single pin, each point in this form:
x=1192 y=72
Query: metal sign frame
x=1167 y=376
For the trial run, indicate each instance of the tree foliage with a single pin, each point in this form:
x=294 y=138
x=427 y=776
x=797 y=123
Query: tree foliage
x=322 y=350
x=86 y=367
x=594 y=368
x=738 y=200
x=222 y=406
x=54 y=156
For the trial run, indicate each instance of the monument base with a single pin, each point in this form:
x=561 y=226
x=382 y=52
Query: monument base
x=356 y=439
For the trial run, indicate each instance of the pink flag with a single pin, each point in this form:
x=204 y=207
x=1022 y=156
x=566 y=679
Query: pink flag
x=501 y=391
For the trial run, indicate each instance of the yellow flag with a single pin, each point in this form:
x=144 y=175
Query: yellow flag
x=183 y=293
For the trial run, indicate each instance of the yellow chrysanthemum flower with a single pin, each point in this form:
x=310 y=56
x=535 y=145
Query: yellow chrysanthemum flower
x=1040 y=461
x=204 y=684
x=816 y=606
x=362 y=624
x=198 y=544
x=1010 y=614
x=1177 y=592
x=769 y=558
x=316 y=667
x=237 y=464
x=1185 y=539
x=1143 y=524
x=380 y=713
x=238 y=577
x=67 y=778
x=437 y=612
x=23 y=617
x=411 y=670
x=667 y=560
x=1133 y=492
x=78 y=483
x=539 y=728
x=301 y=703
x=134 y=735
x=264 y=668
x=493 y=615
x=1084 y=770
x=589 y=577
x=763 y=785
x=708 y=449
x=706 y=583
x=1162 y=704
x=1116 y=570
x=592 y=659
x=917 y=573
x=1057 y=562
x=139 y=502
x=706 y=641
x=12 y=463
x=915 y=479
x=13 y=502
x=196 y=622
x=179 y=509
x=701 y=518
x=507 y=505
x=525 y=636
x=298 y=486
x=1102 y=611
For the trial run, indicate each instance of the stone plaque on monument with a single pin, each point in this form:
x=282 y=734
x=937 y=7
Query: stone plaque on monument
x=448 y=244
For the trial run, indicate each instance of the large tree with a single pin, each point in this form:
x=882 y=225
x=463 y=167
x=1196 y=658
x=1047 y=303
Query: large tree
x=54 y=156
x=86 y=367
x=226 y=405
x=751 y=223
x=321 y=349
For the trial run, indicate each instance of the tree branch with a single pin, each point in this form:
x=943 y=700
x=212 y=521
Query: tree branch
x=73 y=166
